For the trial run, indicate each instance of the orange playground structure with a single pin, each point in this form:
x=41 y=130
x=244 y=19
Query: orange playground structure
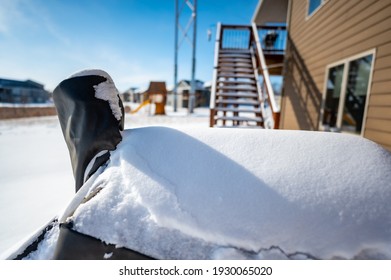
x=156 y=94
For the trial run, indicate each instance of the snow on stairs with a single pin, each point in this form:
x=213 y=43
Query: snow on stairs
x=237 y=100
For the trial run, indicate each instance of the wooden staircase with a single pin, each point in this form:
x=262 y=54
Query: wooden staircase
x=236 y=99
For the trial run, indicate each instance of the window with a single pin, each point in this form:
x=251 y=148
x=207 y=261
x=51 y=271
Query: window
x=333 y=94
x=314 y=5
x=345 y=96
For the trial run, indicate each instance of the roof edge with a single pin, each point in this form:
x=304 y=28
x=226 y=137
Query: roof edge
x=259 y=5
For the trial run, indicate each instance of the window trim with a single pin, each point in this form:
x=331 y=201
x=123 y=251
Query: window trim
x=346 y=63
x=307 y=16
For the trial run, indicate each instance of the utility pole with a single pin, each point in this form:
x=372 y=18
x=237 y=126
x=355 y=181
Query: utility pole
x=193 y=62
x=176 y=57
x=192 y=5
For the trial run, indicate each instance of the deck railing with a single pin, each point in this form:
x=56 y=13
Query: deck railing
x=236 y=37
x=272 y=38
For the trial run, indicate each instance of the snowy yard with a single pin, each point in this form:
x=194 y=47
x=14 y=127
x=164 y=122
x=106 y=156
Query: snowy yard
x=36 y=180
x=184 y=191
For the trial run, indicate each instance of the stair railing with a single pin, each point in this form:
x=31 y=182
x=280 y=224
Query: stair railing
x=258 y=85
x=266 y=79
x=214 y=81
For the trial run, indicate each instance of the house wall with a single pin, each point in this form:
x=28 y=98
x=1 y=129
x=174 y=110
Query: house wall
x=338 y=30
x=23 y=95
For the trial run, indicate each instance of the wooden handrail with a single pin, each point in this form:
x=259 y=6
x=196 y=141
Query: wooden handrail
x=266 y=78
x=255 y=64
x=214 y=81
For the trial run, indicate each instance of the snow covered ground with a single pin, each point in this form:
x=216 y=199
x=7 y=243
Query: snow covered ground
x=35 y=176
x=36 y=180
x=185 y=191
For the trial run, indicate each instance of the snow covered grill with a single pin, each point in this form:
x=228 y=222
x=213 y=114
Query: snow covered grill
x=322 y=196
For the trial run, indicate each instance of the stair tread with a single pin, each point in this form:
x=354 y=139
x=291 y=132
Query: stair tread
x=238 y=102
x=235 y=54
x=237 y=94
x=244 y=67
x=238 y=88
x=232 y=70
x=238 y=82
x=238 y=64
x=236 y=91
x=238 y=118
x=238 y=110
x=236 y=59
x=226 y=65
x=237 y=76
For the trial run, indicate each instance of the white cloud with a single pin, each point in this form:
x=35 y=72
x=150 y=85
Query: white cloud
x=55 y=55
x=9 y=15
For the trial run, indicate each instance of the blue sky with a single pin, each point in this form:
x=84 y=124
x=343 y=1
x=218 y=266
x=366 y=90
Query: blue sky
x=133 y=40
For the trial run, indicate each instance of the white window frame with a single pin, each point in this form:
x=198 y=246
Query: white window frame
x=307 y=16
x=342 y=97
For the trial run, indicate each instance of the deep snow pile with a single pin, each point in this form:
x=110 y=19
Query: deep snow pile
x=234 y=193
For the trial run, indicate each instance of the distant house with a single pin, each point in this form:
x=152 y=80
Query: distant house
x=131 y=95
x=139 y=95
x=183 y=90
x=23 y=92
x=337 y=65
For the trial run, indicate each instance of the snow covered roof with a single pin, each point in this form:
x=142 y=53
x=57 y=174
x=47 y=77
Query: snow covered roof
x=186 y=84
x=208 y=84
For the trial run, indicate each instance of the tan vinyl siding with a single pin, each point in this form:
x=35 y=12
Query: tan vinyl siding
x=381 y=137
x=380 y=125
x=381 y=75
x=384 y=50
x=347 y=31
x=380 y=100
x=339 y=30
x=379 y=112
x=381 y=87
x=383 y=63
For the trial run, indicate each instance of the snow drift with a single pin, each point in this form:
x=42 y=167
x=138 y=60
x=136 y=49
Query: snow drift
x=240 y=194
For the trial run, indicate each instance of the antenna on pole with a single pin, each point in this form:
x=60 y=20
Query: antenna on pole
x=192 y=5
